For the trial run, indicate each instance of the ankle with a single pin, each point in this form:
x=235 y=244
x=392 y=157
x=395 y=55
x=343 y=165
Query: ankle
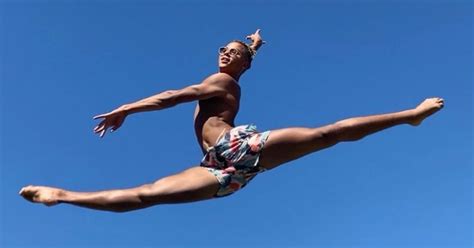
x=412 y=114
x=63 y=196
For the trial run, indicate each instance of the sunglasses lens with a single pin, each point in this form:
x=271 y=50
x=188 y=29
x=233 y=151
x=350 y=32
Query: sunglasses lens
x=232 y=51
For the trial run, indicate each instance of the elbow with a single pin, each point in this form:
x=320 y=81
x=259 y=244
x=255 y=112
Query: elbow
x=169 y=92
x=167 y=99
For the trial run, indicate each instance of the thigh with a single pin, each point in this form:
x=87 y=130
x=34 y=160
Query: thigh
x=193 y=184
x=284 y=145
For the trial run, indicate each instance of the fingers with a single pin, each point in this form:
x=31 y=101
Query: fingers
x=104 y=128
x=254 y=35
x=99 y=116
x=102 y=125
x=112 y=129
x=111 y=120
x=101 y=128
x=118 y=123
x=102 y=133
x=256 y=38
x=258 y=33
x=115 y=127
x=103 y=115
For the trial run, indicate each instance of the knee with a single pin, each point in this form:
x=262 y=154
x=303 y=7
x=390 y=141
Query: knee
x=151 y=193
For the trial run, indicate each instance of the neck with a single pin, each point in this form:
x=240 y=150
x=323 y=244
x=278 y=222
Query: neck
x=234 y=75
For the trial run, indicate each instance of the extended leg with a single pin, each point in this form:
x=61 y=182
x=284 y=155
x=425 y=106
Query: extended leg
x=190 y=185
x=291 y=143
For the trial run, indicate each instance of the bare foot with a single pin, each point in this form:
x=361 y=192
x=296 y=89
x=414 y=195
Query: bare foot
x=40 y=194
x=426 y=108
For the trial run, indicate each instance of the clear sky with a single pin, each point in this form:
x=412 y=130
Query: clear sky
x=62 y=62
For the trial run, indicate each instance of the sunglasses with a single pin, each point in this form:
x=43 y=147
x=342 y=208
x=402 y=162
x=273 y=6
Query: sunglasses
x=232 y=51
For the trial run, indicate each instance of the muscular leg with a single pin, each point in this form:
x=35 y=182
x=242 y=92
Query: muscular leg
x=194 y=184
x=288 y=144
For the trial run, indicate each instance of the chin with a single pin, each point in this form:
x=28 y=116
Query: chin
x=223 y=66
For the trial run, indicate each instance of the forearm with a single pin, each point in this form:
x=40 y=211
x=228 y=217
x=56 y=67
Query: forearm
x=156 y=102
x=120 y=200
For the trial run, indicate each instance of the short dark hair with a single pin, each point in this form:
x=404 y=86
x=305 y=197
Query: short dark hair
x=249 y=52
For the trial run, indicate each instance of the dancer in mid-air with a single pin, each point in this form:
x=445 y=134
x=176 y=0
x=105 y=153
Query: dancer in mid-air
x=232 y=155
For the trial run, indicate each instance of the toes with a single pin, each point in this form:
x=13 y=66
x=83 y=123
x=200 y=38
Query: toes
x=440 y=101
x=24 y=190
x=29 y=193
x=29 y=197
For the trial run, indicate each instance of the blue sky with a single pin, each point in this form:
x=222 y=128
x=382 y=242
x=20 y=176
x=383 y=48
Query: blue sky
x=63 y=62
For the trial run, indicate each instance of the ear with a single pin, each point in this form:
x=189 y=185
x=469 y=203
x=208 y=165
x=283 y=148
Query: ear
x=246 y=65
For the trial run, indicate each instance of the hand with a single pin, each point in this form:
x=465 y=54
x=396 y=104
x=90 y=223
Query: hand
x=111 y=120
x=256 y=39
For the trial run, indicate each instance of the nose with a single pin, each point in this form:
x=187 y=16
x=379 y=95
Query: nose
x=226 y=53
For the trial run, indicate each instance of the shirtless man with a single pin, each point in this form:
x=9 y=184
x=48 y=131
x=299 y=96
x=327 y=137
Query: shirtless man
x=232 y=155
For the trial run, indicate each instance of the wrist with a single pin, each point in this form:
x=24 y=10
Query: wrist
x=125 y=109
x=256 y=45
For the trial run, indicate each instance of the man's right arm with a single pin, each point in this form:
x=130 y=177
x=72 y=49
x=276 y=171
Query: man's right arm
x=210 y=87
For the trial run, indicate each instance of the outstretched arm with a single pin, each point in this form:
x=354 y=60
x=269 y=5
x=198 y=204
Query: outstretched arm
x=210 y=87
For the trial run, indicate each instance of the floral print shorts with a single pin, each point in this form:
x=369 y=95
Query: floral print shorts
x=234 y=158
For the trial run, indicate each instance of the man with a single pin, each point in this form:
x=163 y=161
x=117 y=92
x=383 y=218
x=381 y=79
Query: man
x=232 y=155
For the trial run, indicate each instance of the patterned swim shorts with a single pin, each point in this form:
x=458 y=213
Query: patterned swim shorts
x=234 y=158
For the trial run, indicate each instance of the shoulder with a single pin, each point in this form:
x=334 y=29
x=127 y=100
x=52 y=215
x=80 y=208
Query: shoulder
x=219 y=79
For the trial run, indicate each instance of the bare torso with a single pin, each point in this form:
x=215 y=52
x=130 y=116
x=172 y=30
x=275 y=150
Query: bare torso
x=215 y=115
